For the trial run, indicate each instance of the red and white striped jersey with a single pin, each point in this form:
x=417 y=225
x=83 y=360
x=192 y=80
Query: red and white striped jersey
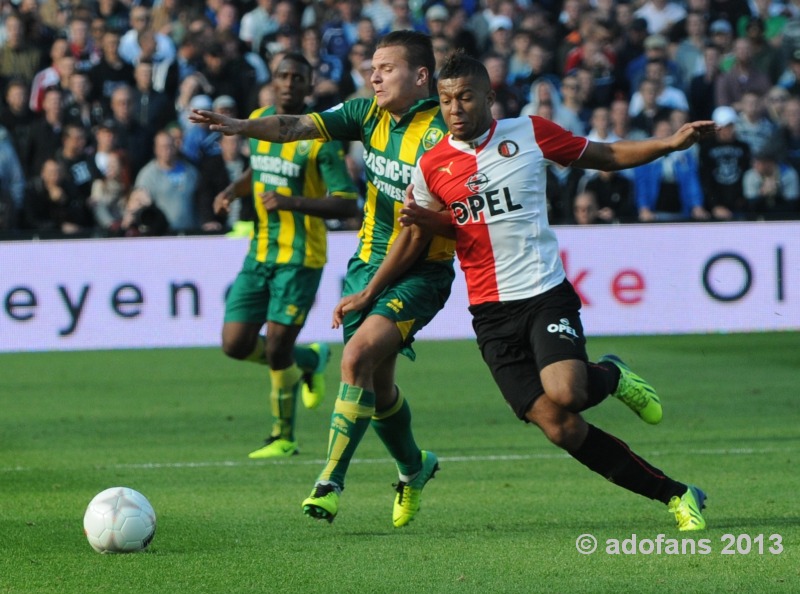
x=494 y=188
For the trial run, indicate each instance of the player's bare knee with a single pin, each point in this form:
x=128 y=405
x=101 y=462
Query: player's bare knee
x=567 y=397
x=356 y=361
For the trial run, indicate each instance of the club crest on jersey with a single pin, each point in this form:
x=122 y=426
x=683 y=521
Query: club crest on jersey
x=431 y=137
x=303 y=147
x=476 y=182
x=507 y=148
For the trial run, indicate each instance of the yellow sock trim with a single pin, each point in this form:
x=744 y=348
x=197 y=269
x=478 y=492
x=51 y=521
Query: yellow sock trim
x=384 y=414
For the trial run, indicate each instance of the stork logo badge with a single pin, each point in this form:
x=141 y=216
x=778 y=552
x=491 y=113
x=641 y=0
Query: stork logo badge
x=431 y=137
x=507 y=148
x=476 y=182
x=446 y=169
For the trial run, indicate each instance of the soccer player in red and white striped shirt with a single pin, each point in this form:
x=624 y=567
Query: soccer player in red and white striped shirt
x=484 y=184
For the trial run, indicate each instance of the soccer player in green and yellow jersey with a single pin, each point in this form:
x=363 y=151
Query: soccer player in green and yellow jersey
x=294 y=186
x=396 y=127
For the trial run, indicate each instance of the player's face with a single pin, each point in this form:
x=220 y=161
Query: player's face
x=397 y=85
x=466 y=104
x=291 y=83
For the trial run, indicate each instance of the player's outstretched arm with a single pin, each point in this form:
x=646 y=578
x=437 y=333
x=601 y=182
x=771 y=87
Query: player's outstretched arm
x=624 y=154
x=274 y=128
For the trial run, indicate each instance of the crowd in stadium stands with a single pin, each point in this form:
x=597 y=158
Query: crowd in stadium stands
x=95 y=138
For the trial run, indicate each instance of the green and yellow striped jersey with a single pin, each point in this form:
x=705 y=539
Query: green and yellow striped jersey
x=391 y=151
x=307 y=168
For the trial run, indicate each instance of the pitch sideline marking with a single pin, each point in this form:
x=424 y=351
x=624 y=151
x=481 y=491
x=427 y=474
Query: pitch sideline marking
x=468 y=459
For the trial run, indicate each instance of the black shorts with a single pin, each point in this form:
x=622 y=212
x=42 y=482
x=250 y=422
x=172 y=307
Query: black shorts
x=519 y=338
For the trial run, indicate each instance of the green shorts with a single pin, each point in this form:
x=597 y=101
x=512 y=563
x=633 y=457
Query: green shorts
x=411 y=302
x=265 y=292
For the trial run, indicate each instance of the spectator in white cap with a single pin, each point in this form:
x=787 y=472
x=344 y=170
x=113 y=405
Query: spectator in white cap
x=500 y=28
x=435 y=18
x=723 y=159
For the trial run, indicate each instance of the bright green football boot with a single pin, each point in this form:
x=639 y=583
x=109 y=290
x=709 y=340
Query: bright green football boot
x=275 y=447
x=635 y=393
x=323 y=503
x=687 y=509
x=407 y=501
x=313 y=390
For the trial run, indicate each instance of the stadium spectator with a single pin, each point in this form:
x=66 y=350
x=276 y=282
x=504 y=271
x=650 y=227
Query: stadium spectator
x=766 y=57
x=506 y=95
x=771 y=187
x=689 y=51
x=12 y=184
x=380 y=13
x=105 y=142
x=328 y=71
x=668 y=189
x=114 y=14
x=45 y=133
x=172 y=183
x=110 y=193
x=752 y=126
x=217 y=172
x=629 y=48
x=774 y=103
x=169 y=18
x=258 y=23
x=660 y=15
x=666 y=95
x=584 y=209
x=79 y=167
x=131 y=136
x=724 y=159
x=613 y=192
x=518 y=289
x=702 y=86
x=436 y=18
x=78 y=106
x=650 y=111
x=741 y=78
x=81 y=45
x=110 y=72
x=786 y=139
x=152 y=109
x=571 y=114
x=15 y=116
x=656 y=49
x=129 y=48
x=61 y=66
x=50 y=205
x=142 y=218
x=18 y=57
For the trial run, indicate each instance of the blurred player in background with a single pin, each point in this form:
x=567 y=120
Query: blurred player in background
x=294 y=187
x=396 y=127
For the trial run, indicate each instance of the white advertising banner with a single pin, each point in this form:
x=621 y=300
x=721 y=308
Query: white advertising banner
x=160 y=292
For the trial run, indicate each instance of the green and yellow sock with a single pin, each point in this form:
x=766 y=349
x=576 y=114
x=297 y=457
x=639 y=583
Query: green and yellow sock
x=352 y=412
x=283 y=400
x=393 y=427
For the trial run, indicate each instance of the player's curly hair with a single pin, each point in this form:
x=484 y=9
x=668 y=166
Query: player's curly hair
x=460 y=65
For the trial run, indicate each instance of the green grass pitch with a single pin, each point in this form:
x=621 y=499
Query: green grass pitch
x=503 y=515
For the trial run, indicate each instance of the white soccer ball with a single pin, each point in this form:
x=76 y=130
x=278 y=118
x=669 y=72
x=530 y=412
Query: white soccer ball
x=119 y=520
